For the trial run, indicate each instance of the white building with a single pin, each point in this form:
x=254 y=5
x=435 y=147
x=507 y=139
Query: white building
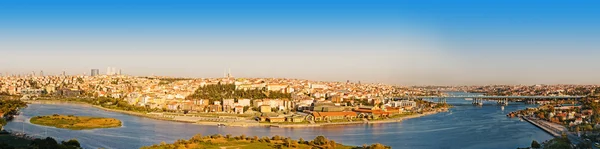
x=318 y=86
x=228 y=102
x=276 y=87
x=404 y=103
x=243 y=102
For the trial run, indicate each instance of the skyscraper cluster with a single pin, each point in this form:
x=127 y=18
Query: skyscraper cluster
x=113 y=71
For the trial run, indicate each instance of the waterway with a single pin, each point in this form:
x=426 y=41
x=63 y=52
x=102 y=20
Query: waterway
x=464 y=127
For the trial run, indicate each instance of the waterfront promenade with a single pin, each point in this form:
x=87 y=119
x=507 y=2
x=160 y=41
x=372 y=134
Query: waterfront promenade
x=553 y=129
x=237 y=122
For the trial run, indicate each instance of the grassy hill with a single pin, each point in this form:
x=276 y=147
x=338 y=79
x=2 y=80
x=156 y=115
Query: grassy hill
x=243 y=142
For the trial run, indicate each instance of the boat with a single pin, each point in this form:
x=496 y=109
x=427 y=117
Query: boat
x=220 y=124
x=468 y=99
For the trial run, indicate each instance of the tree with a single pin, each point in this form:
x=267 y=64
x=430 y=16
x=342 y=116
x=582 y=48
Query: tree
x=288 y=142
x=583 y=145
x=378 y=146
x=72 y=143
x=332 y=144
x=276 y=137
x=197 y=137
x=535 y=144
x=301 y=141
x=558 y=143
x=320 y=140
x=2 y=122
x=5 y=146
x=48 y=143
x=588 y=127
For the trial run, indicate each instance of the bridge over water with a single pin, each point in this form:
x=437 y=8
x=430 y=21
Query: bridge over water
x=478 y=99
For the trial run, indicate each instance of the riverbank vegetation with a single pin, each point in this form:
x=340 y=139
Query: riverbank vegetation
x=558 y=143
x=555 y=143
x=246 y=142
x=8 y=141
x=11 y=107
x=75 y=122
x=8 y=108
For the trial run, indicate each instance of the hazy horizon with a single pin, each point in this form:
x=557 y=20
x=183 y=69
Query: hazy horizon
x=463 y=42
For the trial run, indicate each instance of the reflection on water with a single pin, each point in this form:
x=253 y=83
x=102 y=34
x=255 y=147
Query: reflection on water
x=465 y=126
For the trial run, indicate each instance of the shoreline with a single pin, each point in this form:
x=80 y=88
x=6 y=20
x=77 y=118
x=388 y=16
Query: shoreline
x=393 y=120
x=238 y=124
x=58 y=102
x=547 y=129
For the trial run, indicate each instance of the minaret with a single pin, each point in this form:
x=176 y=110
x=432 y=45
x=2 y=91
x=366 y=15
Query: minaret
x=229 y=73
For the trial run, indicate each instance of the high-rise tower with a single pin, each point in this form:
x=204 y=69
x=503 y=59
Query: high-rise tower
x=109 y=71
x=95 y=72
x=228 y=75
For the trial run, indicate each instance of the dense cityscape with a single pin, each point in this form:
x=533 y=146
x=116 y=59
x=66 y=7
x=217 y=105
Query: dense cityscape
x=280 y=102
x=299 y=74
x=273 y=99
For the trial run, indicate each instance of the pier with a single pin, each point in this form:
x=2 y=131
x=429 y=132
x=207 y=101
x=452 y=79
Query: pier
x=549 y=129
x=556 y=132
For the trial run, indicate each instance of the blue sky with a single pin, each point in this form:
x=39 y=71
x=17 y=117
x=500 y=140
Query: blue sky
x=396 y=42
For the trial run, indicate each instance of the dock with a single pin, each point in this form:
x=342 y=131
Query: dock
x=552 y=131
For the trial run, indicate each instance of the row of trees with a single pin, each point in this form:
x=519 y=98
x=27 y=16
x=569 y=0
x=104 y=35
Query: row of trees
x=47 y=143
x=217 y=92
x=121 y=104
x=50 y=143
x=9 y=108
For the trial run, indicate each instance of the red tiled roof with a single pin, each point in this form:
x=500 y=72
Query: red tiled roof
x=321 y=114
x=371 y=111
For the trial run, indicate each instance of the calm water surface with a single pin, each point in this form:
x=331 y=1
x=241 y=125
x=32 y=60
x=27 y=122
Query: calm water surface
x=465 y=126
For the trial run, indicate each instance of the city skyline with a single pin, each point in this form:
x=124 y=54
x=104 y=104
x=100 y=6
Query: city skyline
x=394 y=42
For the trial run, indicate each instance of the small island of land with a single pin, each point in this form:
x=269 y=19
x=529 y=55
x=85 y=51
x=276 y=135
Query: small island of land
x=218 y=141
x=75 y=122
